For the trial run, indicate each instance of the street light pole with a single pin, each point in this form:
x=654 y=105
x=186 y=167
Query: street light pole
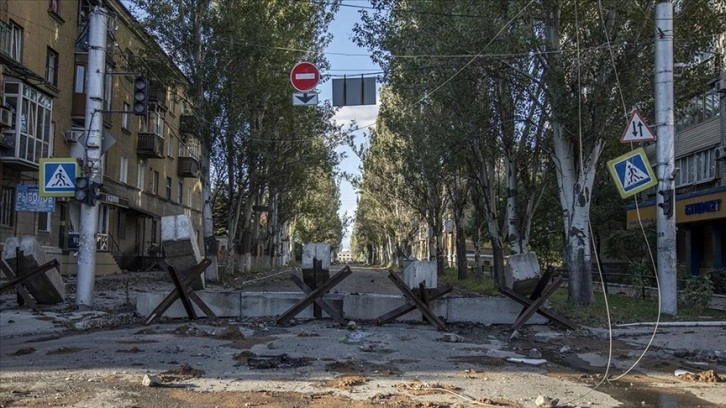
x=97 y=27
x=664 y=119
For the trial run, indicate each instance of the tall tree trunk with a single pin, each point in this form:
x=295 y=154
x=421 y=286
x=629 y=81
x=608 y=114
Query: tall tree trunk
x=210 y=243
x=461 y=261
x=575 y=198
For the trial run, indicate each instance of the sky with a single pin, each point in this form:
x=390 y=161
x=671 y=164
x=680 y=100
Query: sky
x=346 y=58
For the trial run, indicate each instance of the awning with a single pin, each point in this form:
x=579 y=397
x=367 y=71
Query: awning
x=143 y=212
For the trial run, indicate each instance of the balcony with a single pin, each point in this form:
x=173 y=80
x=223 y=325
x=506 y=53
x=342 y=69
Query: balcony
x=151 y=145
x=157 y=97
x=186 y=124
x=188 y=167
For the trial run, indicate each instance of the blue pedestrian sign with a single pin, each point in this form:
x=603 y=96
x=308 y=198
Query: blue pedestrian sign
x=58 y=177
x=632 y=173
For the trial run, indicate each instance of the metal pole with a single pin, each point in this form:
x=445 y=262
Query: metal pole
x=97 y=27
x=664 y=119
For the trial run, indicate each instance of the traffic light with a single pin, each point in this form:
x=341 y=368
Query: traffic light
x=667 y=204
x=141 y=96
x=81 y=193
x=87 y=191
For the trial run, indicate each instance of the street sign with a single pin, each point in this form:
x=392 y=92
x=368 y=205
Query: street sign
x=304 y=76
x=354 y=91
x=632 y=173
x=637 y=130
x=304 y=98
x=58 y=177
x=28 y=199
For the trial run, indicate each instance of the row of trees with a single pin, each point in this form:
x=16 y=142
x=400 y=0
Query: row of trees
x=497 y=114
x=265 y=164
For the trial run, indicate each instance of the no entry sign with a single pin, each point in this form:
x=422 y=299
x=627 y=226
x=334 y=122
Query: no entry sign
x=304 y=76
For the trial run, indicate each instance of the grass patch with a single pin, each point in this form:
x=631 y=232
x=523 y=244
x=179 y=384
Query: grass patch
x=485 y=286
x=623 y=308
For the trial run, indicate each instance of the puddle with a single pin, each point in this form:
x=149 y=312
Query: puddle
x=649 y=397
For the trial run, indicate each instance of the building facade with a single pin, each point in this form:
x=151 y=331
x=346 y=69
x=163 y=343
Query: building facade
x=151 y=162
x=700 y=181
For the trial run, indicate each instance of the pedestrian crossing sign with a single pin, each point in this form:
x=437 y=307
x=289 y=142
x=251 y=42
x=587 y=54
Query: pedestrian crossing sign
x=632 y=173
x=58 y=177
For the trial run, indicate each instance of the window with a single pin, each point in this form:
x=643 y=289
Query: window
x=53 y=6
x=140 y=176
x=7 y=207
x=170 y=147
x=108 y=93
x=125 y=116
x=696 y=168
x=51 y=67
x=123 y=169
x=16 y=42
x=80 y=85
x=155 y=182
x=189 y=196
x=180 y=193
x=121 y=225
x=32 y=137
x=44 y=221
x=168 y=188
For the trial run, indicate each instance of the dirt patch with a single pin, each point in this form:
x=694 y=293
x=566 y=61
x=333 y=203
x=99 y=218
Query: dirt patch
x=231 y=333
x=420 y=388
x=187 y=330
x=38 y=400
x=183 y=372
x=65 y=350
x=22 y=351
x=131 y=350
x=278 y=361
x=479 y=360
x=709 y=376
x=346 y=381
x=292 y=399
x=363 y=367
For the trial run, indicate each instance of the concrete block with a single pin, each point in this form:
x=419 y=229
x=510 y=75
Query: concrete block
x=266 y=304
x=47 y=288
x=180 y=245
x=485 y=310
x=322 y=253
x=319 y=251
x=369 y=306
x=521 y=267
x=420 y=271
x=223 y=304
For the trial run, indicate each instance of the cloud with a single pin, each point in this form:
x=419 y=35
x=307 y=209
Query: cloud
x=363 y=115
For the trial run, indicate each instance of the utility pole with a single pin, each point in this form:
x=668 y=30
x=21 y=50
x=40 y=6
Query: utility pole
x=97 y=28
x=664 y=119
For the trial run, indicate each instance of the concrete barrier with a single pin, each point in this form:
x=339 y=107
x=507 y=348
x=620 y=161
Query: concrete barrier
x=355 y=306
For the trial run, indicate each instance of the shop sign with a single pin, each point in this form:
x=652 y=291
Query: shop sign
x=703 y=207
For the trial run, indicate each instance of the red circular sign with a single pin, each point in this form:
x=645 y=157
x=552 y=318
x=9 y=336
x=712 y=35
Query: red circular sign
x=304 y=76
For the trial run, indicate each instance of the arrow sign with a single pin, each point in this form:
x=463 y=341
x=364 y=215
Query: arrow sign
x=58 y=177
x=304 y=98
x=632 y=173
x=637 y=130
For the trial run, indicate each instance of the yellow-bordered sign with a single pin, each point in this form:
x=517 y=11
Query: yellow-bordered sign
x=58 y=177
x=632 y=173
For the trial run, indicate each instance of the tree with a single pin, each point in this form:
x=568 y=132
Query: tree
x=589 y=89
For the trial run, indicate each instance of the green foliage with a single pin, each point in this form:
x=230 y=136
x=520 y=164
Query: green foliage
x=623 y=309
x=698 y=292
x=485 y=286
x=718 y=278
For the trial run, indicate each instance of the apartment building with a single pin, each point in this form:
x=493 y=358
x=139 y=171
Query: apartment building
x=151 y=162
x=700 y=182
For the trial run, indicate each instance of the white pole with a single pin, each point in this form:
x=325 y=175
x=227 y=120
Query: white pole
x=97 y=27
x=664 y=119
